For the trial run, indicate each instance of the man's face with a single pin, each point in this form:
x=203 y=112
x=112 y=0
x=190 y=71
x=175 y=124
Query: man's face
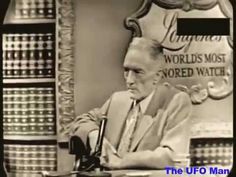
x=140 y=72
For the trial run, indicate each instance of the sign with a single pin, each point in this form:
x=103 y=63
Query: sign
x=199 y=65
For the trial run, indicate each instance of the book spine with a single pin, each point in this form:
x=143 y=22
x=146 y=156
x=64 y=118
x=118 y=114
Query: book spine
x=29 y=111
x=28 y=55
x=30 y=157
x=34 y=9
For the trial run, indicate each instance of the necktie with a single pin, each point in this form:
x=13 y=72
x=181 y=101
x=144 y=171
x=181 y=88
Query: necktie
x=126 y=138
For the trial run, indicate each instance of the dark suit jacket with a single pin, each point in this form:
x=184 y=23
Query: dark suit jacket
x=163 y=129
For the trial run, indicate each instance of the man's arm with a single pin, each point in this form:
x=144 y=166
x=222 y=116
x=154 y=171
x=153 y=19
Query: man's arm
x=88 y=123
x=175 y=140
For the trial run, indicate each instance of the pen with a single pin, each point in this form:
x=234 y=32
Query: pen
x=114 y=151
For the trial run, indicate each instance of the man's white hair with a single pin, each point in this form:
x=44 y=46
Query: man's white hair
x=153 y=47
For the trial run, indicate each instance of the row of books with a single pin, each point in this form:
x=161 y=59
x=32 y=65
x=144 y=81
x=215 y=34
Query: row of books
x=30 y=157
x=29 y=111
x=202 y=161
x=34 y=9
x=28 y=55
x=23 y=65
x=26 y=74
x=28 y=93
x=203 y=153
x=25 y=55
x=31 y=41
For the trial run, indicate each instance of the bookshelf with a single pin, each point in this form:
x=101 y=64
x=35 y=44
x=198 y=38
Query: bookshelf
x=39 y=80
x=29 y=138
x=29 y=97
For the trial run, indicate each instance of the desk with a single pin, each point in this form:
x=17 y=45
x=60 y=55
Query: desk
x=160 y=173
x=121 y=173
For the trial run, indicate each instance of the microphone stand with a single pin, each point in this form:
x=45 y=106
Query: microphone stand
x=95 y=157
x=86 y=165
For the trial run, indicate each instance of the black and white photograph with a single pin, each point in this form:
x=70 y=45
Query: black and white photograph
x=117 y=88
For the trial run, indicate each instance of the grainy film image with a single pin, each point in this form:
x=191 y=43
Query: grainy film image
x=117 y=88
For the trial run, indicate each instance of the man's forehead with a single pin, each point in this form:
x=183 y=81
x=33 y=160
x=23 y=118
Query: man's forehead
x=137 y=56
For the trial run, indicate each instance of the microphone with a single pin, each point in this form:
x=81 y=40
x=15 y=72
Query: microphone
x=90 y=165
x=101 y=133
x=86 y=165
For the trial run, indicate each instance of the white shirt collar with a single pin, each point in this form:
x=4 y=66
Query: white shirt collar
x=145 y=102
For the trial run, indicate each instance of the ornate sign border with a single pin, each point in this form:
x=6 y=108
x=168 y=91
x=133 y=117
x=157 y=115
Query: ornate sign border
x=196 y=92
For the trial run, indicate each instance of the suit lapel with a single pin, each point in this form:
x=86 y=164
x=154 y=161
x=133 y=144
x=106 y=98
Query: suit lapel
x=156 y=102
x=145 y=123
x=148 y=118
x=119 y=116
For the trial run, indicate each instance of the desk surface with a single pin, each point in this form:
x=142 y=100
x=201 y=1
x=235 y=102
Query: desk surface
x=121 y=173
x=159 y=173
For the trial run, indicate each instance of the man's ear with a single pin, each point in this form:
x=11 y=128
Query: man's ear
x=158 y=77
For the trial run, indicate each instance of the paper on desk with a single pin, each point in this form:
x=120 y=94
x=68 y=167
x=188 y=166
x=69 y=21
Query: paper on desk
x=108 y=146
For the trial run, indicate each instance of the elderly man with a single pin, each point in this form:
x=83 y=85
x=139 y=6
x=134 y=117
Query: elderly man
x=149 y=123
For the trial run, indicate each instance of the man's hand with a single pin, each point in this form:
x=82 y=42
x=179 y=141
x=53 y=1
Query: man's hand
x=110 y=158
x=111 y=161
